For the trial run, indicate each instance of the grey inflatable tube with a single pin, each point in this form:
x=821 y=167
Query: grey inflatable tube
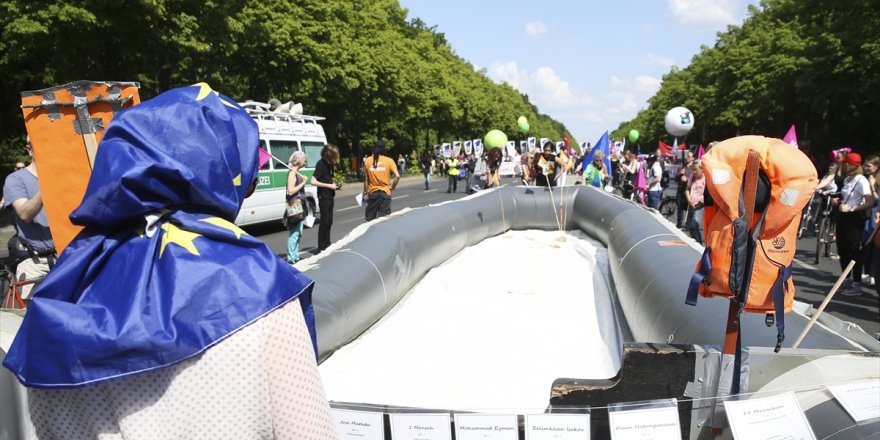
x=362 y=278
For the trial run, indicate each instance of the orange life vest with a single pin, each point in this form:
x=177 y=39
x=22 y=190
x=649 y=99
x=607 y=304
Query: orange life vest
x=788 y=179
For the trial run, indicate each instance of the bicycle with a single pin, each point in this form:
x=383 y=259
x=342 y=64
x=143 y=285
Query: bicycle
x=807 y=217
x=623 y=186
x=823 y=229
x=669 y=208
x=10 y=287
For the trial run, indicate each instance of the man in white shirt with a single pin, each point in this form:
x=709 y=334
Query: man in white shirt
x=655 y=173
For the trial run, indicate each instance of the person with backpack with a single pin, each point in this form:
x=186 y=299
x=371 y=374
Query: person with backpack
x=655 y=174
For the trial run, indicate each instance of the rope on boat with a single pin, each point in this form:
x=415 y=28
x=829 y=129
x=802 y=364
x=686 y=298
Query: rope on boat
x=382 y=280
x=553 y=205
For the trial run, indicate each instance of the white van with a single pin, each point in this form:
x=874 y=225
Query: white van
x=283 y=130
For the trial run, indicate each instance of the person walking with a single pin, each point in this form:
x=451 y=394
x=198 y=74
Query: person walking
x=323 y=179
x=681 y=200
x=425 y=164
x=378 y=183
x=296 y=195
x=401 y=164
x=696 y=187
x=855 y=205
x=452 y=172
x=655 y=174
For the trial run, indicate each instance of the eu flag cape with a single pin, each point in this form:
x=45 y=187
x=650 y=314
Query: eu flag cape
x=160 y=273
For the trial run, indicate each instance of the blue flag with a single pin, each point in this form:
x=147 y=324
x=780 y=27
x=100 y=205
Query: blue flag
x=604 y=146
x=160 y=273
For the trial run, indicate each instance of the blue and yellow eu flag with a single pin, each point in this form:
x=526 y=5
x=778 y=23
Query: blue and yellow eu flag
x=160 y=273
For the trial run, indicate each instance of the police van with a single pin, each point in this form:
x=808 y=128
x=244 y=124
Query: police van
x=283 y=130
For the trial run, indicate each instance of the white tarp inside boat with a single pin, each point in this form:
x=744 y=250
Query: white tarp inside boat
x=490 y=329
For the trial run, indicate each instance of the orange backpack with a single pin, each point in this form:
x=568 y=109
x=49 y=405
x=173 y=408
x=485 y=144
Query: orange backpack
x=750 y=261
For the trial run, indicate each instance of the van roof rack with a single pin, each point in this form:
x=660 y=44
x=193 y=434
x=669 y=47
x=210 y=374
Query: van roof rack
x=262 y=110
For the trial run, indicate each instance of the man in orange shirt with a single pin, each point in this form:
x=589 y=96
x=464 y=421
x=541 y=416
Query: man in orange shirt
x=378 y=185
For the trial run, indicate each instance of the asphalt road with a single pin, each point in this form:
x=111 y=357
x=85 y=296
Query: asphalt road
x=812 y=281
x=410 y=193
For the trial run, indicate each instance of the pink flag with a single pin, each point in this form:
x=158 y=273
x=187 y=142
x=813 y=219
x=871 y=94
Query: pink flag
x=264 y=157
x=641 y=184
x=791 y=137
x=700 y=152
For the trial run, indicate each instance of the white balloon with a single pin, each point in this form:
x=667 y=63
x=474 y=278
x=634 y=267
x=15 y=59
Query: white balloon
x=679 y=121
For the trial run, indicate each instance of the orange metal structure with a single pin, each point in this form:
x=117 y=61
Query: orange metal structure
x=65 y=124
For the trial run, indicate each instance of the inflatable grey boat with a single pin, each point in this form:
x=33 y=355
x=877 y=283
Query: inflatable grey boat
x=656 y=346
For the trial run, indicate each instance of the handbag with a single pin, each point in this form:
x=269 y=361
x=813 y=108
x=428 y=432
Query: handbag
x=294 y=213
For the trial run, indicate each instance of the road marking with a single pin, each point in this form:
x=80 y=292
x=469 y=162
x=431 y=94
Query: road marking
x=804 y=265
x=354 y=207
x=430 y=190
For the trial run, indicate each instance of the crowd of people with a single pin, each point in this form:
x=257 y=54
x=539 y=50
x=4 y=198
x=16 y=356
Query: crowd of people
x=853 y=183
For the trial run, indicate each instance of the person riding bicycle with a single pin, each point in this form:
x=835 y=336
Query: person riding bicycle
x=21 y=191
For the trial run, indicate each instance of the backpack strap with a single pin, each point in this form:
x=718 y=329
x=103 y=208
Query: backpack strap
x=699 y=277
x=778 y=291
x=745 y=263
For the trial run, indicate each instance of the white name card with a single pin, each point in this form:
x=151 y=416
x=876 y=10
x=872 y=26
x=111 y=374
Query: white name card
x=358 y=424
x=860 y=399
x=557 y=427
x=486 y=427
x=658 y=423
x=776 y=417
x=420 y=427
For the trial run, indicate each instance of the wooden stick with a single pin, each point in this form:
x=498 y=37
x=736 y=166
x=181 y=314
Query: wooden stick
x=824 y=303
x=281 y=162
x=553 y=205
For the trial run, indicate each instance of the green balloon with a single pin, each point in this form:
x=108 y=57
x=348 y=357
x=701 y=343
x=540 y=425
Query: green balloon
x=633 y=135
x=524 y=128
x=522 y=120
x=495 y=138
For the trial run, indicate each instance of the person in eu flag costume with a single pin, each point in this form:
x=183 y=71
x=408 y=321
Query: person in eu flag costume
x=162 y=319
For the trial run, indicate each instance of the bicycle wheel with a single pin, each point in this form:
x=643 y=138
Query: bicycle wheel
x=822 y=234
x=6 y=293
x=829 y=234
x=668 y=208
x=805 y=224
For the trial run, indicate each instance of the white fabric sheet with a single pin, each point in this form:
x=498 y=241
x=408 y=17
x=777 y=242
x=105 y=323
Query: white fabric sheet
x=488 y=330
